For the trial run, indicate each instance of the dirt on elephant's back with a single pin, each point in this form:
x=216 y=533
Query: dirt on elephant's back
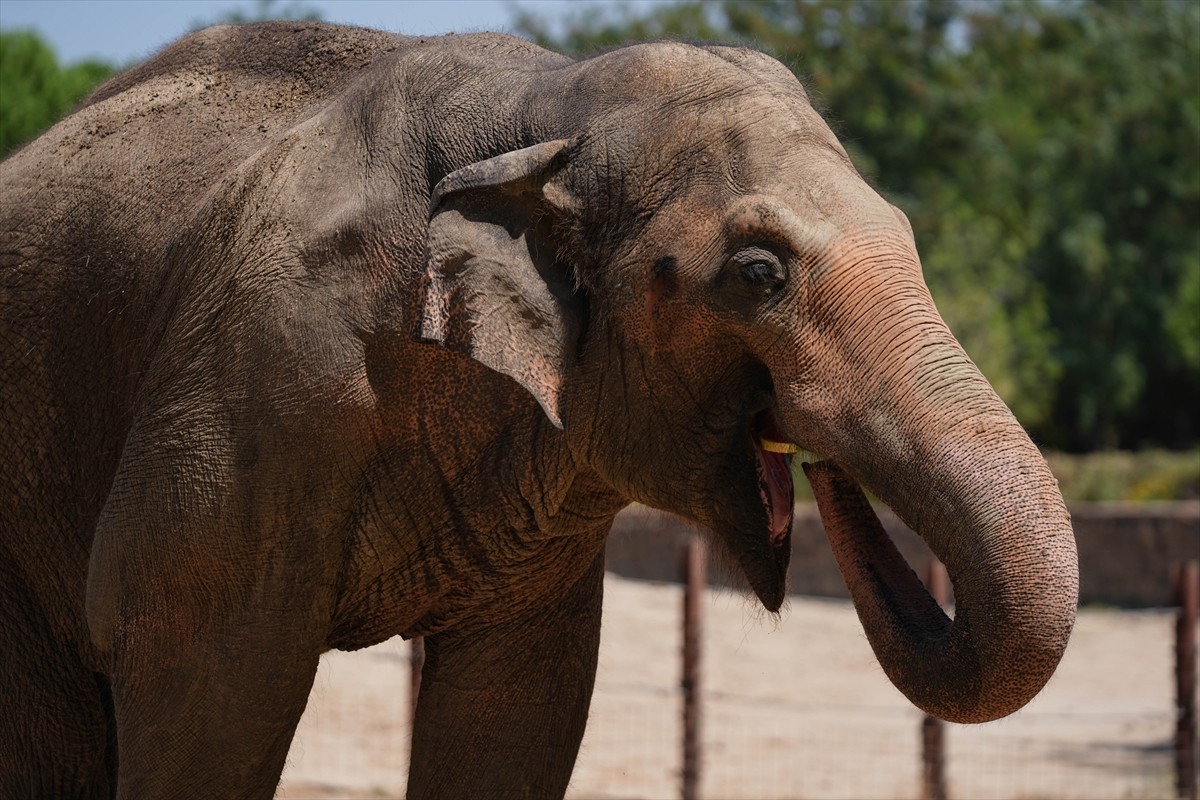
x=795 y=706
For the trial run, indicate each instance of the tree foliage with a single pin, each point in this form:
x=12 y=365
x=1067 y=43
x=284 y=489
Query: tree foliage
x=263 y=11
x=1048 y=155
x=35 y=91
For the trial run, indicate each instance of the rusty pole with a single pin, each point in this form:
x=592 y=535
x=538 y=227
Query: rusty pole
x=694 y=580
x=416 y=660
x=1187 y=597
x=933 y=732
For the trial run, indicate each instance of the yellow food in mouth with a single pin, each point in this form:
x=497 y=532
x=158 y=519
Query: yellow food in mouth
x=778 y=447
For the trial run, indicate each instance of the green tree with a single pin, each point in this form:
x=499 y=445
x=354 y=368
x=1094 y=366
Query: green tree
x=263 y=11
x=1046 y=153
x=35 y=91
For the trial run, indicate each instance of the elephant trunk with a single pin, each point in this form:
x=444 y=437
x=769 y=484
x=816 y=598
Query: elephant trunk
x=936 y=444
x=1016 y=586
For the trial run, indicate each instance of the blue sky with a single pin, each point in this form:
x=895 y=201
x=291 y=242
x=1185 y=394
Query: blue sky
x=123 y=31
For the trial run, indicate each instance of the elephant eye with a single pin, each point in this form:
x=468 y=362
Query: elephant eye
x=760 y=269
x=758 y=273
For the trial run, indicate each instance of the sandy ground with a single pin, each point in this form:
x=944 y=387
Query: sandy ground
x=795 y=707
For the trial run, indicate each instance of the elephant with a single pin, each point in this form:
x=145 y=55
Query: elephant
x=313 y=336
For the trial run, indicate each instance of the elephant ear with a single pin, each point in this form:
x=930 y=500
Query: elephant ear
x=494 y=287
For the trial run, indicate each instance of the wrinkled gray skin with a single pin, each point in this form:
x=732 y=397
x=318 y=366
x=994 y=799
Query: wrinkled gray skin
x=313 y=336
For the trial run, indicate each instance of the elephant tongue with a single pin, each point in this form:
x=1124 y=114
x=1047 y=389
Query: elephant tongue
x=774 y=476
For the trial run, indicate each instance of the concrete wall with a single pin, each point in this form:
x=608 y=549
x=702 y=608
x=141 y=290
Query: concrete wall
x=1125 y=550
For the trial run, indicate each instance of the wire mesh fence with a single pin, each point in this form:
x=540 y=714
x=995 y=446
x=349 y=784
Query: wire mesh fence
x=1084 y=755
x=794 y=707
x=1102 y=729
x=779 y=751
x=769 y=751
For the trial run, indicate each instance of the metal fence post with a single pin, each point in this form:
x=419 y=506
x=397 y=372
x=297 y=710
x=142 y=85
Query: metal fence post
x=1187 y=597
x=694 y=580
x=933 y=751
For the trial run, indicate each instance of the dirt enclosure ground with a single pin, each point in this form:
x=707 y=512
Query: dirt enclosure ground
x=795 y=707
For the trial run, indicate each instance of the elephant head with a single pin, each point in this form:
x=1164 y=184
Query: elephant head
x=691 y=279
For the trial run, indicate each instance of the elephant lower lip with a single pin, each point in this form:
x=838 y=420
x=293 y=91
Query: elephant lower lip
x=774 y=478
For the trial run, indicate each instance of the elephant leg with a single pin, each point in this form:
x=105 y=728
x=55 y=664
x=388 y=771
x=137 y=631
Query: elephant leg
x=215 y=726
x=502 y=710
x=210 y=611
x=56 y=732
x=210 y=675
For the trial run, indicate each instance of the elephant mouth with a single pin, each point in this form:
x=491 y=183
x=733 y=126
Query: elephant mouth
x=773 y=455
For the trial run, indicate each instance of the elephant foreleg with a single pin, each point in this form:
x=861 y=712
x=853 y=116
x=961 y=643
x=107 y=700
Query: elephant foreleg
x=210 y=615
x=209 y=678
x=216 y=725
x=502 y=710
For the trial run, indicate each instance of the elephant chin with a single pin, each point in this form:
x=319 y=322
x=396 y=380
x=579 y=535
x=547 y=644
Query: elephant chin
x=768 y=577
x=750 y=516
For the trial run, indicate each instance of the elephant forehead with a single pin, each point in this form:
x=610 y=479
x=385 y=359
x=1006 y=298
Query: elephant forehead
x=676 y=71
x=713 y=118
x=762 y=216
x=762 y=148
x=802 y=216
x=808 y=189
x=755 y=165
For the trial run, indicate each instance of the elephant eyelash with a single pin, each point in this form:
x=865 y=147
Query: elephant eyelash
x=760 y=269
x=761 y=274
